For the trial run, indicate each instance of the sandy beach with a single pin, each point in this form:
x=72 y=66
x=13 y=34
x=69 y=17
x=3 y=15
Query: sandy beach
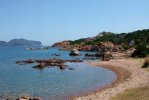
x=129 y=75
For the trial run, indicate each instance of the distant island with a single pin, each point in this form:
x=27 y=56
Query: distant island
x=20 y=42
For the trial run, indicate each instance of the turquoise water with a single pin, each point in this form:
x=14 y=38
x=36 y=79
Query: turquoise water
x=50 y=83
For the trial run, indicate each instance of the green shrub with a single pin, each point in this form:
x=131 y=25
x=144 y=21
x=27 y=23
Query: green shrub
x=141 y=50
x=146 y=62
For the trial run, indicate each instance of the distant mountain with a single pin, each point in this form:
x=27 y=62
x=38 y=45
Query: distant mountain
x=3 y=43
x=20 y=42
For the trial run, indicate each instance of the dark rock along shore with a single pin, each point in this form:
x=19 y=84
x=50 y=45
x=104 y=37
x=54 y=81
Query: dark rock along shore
x=47 y=63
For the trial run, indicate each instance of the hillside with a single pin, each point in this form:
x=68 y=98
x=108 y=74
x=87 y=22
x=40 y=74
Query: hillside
x=122 y=41
x=20 y=42
x=3 y=43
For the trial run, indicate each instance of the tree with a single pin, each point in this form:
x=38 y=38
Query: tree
x=141 y=50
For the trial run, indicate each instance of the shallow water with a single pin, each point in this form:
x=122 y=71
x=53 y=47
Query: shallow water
x=50 y=83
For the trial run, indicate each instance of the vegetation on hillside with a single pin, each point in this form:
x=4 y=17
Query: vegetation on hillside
x=137 y=39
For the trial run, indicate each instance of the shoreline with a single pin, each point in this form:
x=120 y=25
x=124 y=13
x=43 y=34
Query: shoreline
x=121 y=75
x=129 y=75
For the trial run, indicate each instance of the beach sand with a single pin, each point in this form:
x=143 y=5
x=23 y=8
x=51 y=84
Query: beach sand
x=129 y=75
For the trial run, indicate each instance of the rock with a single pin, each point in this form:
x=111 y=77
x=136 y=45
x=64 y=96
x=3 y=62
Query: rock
x=40 y=48
x=93 y=55
x=29 y=61
x=50 y=62
x=41 y=65
x=74 y=52
x=55 y=54
x=31 y=49
x=18 y=62
x=86 y=48
x=75 y=61
x=62 y=66
x=35 y=66
x=24 y=62
x=107 y=57
x=90 y=58
x=61 y=44
x=23 y=98
x=29 y=98
x=71 y=69
x=80 y=54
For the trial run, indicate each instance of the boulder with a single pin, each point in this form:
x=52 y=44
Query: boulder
x=74 y=52
x=61 y=66
x=41 y=65
x=71 y=68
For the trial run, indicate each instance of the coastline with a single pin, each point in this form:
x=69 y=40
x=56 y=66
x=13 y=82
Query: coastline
x=129 y=75
x=121 y=75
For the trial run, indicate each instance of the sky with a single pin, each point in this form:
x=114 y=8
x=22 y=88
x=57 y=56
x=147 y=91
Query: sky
x=50 y=21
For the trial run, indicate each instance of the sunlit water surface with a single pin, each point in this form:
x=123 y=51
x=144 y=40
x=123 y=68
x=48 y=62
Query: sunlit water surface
x=50 y=83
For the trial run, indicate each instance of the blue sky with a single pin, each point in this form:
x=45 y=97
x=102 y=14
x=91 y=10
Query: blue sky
x=50 y=21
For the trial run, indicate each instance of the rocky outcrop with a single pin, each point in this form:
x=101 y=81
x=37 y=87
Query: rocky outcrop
x=86 y=48
x=61 y=44
x=74 y=52
x=104 y=56
x=83 y=47
x=106 y=44
x=109 y=47
x=103 y=34
x=48 y=63
x=112 y=42
x=93 y=55
x=28 y=98
x=130 y=51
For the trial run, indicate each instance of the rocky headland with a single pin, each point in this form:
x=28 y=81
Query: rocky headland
x=134 y=44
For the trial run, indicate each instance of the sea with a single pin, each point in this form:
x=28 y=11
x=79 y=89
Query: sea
x=49 y=83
